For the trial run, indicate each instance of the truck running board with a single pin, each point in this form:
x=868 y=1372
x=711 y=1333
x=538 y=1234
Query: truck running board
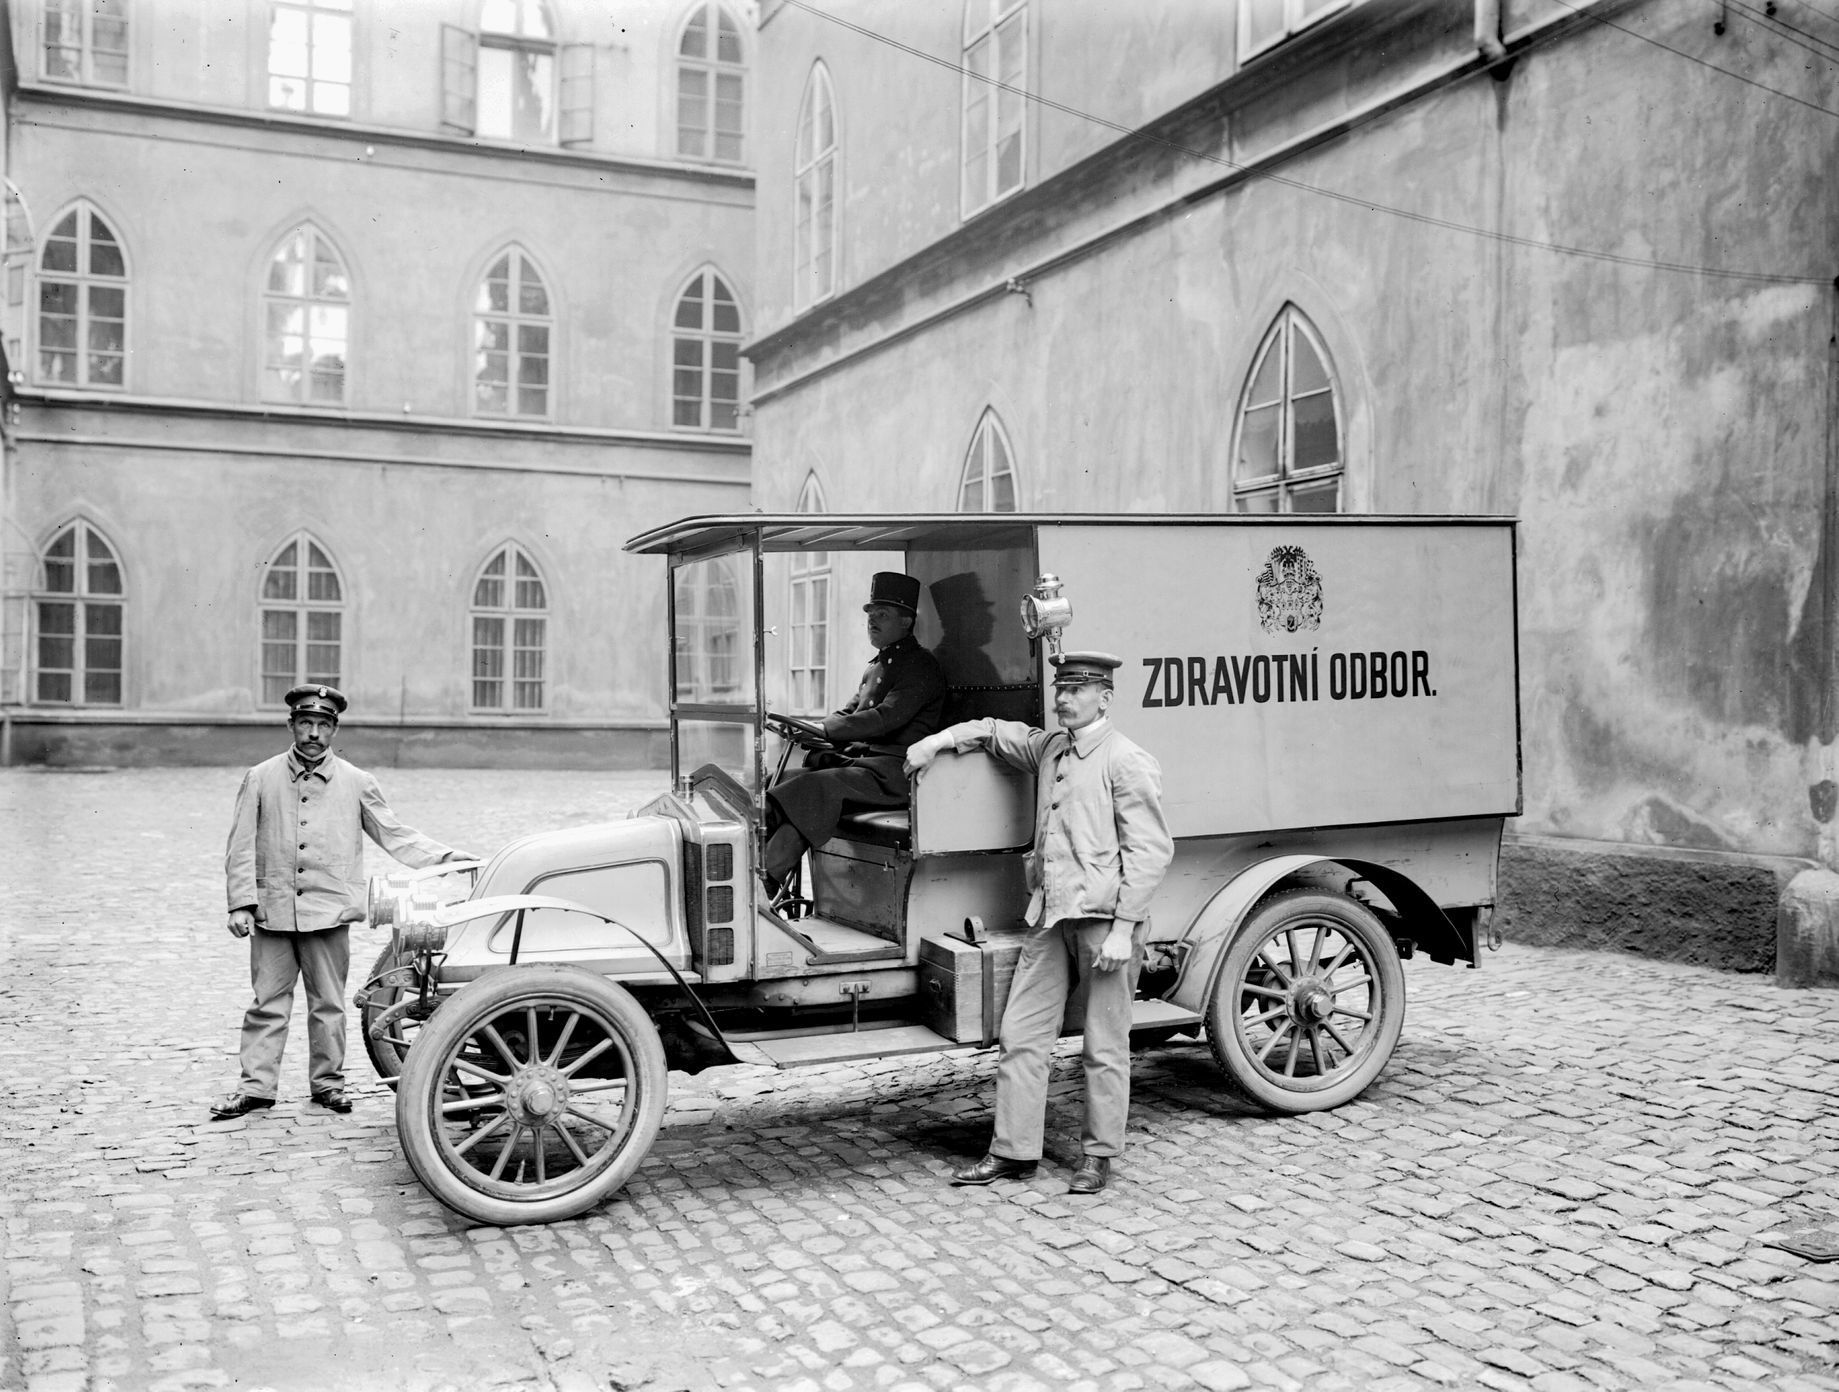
x=881 y=1040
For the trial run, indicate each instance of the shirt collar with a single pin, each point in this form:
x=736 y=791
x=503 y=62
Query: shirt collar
x=1088 y=737
x=297 y=769
x=899 y=645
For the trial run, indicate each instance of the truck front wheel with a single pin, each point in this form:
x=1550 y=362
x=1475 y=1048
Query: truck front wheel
x=1308 y=1004
x=531 y=1095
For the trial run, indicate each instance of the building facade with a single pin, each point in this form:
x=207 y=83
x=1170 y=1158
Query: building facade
x=350 y=341
x=1567 y=262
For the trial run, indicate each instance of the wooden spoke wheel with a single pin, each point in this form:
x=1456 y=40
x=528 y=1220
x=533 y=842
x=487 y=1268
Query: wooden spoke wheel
x=1309 y=1002
x=532 y=1095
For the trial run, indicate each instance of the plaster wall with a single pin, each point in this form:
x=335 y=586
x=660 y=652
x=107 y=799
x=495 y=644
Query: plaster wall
x=417 y=230
x=193 y=531
x=207 y=53
x=1661 y=434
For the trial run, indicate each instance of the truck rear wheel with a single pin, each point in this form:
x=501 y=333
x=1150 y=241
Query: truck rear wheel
x=531 y=1095
x=1308 y=1004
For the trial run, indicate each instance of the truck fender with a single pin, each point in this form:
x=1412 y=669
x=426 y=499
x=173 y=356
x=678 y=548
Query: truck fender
x=1203 y=946
x=494 y=906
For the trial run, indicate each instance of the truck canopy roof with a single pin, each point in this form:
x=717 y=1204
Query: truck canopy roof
x=838 y=531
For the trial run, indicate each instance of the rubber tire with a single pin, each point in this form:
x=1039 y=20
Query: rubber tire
x=1296 y=1096
x=500 y=989
x=384 y=1057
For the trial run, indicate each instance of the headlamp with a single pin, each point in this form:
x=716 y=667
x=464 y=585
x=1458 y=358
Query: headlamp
x=1045 y=611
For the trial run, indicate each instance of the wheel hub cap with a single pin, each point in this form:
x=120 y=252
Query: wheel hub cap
x=537 y=1095
x=1312 y=1003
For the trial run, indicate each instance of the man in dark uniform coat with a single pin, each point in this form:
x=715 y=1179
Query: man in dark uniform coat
x=901 y=699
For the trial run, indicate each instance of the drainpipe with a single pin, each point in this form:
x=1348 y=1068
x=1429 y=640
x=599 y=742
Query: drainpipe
x=1488 y=30
x=1822 y=795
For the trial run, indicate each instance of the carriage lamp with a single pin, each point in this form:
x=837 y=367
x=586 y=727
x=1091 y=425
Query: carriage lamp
x=1045 y=611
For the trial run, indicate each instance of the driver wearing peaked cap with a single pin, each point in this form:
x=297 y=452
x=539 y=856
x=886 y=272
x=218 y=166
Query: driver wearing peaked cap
x=901 y=699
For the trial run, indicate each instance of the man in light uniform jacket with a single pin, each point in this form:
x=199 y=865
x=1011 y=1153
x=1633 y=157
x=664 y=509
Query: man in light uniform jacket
x=294 y=872
x=1101 y=847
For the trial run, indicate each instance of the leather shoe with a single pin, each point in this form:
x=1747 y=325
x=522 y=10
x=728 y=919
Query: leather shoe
x=992 y=1168
x=333 y=1100
x=1093 y=1174
x=238 y=1104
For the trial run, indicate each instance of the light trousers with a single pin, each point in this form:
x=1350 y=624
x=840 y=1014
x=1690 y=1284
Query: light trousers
x=276 y=960
x=1055 y=963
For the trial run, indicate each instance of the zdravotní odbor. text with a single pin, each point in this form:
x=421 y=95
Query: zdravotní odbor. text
x=1236 y=680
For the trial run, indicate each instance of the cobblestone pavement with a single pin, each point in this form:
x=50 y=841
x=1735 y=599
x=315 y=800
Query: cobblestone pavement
x=1567 y=1178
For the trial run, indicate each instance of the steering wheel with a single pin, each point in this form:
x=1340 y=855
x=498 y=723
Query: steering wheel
x=805 y=734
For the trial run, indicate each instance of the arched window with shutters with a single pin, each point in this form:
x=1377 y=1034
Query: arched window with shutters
x=711 y=86
x=513 y=330
x=808 y=659
x=816 y=180
x=82 y=303
x=306 y=318
x=988 y=481
x=303 y=619
x=1287 y=453
x=510 y=634
x=77 y=621
x=706 y=356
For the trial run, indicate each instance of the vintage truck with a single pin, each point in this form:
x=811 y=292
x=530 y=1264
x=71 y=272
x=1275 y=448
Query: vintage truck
x=1334 y=704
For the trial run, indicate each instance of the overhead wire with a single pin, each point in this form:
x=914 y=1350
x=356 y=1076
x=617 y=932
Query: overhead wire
x=1303 y=186
x=1769 y=18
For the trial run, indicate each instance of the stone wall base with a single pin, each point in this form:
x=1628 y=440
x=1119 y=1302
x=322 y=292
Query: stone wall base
x=1704 y=908
x=130 y=744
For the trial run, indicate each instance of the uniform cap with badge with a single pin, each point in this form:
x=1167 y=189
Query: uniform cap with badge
x=315 y=699
x=1079 y=668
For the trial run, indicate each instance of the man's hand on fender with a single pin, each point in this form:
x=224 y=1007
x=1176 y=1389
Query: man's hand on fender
x=241 y=921
x=1118 y=945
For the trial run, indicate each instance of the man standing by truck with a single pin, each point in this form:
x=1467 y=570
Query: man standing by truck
x=1101 y=847
x=294 y=870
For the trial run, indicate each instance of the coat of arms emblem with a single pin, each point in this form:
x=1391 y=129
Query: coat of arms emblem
x=1289 y=592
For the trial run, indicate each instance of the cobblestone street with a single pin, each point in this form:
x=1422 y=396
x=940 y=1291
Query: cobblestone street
x=1568 y=1178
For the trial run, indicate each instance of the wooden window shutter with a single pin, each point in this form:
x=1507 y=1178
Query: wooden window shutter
x=459 y=78
x=577 y=94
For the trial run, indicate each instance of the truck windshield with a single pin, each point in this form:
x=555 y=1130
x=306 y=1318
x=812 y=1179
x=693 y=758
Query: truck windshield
x=713 y=708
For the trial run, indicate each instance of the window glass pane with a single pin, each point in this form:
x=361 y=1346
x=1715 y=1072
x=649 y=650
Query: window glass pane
x=695 y=42
x=53 y=686
x=1263 y=21
x=102 y=688
x=102 y=620
x=280 y=624
x=532 y=298
x=105 y=257
x=1316 y=497
x=725 y=314
x=1312 y=426
x=56 y=617
x=1306 y=371
x=1258 y=443
x=1258 y=502
x=1267 y=382
x=728 y=45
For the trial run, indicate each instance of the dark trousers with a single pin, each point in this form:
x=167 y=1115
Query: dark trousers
x=810 y=803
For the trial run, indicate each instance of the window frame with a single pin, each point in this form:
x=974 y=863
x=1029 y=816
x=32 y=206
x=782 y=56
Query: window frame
x=86 y=282
x=302 y=605
x=809 y=572
x=549 y=320
x=707 y=337
x=992 y=17
x=809 y=287
x=86 y=46
x=714 y=12
x=1297 y=17
x=316 y=238
x=989 y=429
x=509 y=614
x=516 y=42
x=334 y=9
x=82 y=599
x=1288 y=479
